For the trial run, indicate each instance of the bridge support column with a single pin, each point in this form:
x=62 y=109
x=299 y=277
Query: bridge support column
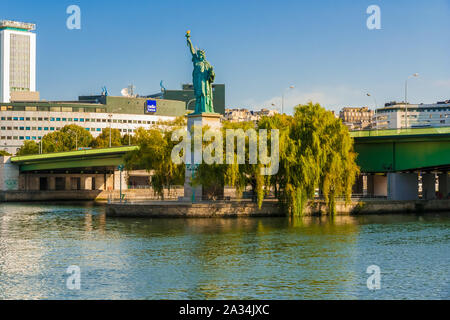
x=51 y=183
x=403 y=186
x=377 y=186
x=444 y=184
x=358 y=187
x=428 y=186
x=9 y=175
x=117 y=180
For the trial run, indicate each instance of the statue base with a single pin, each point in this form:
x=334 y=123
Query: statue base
x=194 y=194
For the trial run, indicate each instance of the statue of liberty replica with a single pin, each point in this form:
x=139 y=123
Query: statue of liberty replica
x=204 y=115
x=202 y=77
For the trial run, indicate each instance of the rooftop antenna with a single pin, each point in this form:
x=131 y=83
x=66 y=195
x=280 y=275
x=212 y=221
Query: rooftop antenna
x=125 y=93
x=131 y=88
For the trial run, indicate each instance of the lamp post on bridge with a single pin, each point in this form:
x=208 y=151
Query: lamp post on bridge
x=282 y=98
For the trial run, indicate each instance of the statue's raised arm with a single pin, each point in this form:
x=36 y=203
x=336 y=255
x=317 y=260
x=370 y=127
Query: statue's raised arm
x=191 y=47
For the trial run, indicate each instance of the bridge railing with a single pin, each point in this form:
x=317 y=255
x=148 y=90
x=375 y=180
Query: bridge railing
x=398 y=132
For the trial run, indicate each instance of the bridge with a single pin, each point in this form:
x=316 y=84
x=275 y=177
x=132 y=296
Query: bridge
x=393 y=164
x=98 y=159
x=391 y=161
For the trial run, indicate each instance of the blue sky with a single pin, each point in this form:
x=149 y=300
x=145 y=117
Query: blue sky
x=257 y=47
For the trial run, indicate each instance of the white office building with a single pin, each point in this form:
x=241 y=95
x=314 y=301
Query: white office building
x=398 y=115
x=18 y=61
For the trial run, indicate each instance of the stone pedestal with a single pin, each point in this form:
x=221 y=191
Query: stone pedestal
x=195 y=124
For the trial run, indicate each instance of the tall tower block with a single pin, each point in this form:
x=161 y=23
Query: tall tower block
x=17 y=61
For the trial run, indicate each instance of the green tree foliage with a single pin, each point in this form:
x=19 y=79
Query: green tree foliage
x=102 y=141
x=28 y=148
x=154 y=155
x=67 y=139
x=128 y=140
x=4 y=153
x=316 y=152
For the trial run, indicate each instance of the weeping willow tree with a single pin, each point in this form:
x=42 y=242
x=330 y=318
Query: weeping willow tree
x=236 y=174
x=154 y=155
x=316 y=152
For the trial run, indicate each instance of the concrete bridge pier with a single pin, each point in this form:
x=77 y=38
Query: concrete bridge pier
x=403 y=186
x=444 y=184
x=428 y=186
x=377 y=185
x=358 y=187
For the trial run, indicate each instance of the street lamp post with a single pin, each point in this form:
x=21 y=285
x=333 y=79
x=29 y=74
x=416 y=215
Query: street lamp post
x=110 y=129
x=120 y=188
x=406 y=97
x=282 y=98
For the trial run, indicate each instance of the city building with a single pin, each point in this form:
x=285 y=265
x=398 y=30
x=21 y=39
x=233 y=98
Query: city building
x=239 y=115
x=186 y=94
x=24 y=117
x=22 y=121
x=18 y=61
x=357 y=118
x=400 y=115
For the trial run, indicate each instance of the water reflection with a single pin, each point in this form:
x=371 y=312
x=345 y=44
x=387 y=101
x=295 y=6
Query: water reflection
x=279 y=258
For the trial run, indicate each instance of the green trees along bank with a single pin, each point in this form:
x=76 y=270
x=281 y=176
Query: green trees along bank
x=315 y=153
x=73 y=137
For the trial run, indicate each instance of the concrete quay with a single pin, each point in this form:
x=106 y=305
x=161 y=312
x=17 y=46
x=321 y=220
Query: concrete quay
x=236 y=209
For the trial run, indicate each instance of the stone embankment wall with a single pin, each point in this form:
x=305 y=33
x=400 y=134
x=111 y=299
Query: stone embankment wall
x=87 y=195
x=174 y=209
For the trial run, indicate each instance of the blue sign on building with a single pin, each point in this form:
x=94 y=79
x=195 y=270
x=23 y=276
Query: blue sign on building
x=151 y=105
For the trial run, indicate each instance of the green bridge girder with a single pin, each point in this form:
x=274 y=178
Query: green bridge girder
x=379 y=151
x=403 y=150
x=94 y=158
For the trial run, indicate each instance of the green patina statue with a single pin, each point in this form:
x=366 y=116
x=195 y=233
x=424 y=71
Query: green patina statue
x=202 y=77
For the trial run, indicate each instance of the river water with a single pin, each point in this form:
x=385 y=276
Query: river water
x=258 y=258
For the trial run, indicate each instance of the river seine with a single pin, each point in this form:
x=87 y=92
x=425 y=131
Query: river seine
x=257 y=258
